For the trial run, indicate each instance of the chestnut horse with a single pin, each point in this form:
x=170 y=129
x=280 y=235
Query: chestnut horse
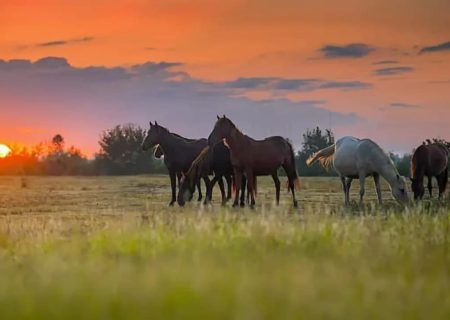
x=430 y=160
x=179 y=153
x=255 y=157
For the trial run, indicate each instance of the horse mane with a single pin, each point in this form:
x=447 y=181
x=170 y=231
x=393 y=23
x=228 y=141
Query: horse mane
x=198 y=162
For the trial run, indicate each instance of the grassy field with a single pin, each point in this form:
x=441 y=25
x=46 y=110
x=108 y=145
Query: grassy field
x=107 y=248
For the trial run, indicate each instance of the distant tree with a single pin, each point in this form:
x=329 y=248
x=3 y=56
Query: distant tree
x=402 y=162
x=57 y=144
x=121 y=151
x=313 y=140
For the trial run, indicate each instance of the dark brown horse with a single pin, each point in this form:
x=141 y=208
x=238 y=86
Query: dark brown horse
x=159 y=152
x=255 y=157
x=429 y=160
x=179 y=152
x=214 y=160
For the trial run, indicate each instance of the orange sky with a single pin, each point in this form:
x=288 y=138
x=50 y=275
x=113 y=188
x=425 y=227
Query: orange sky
x=220 y=41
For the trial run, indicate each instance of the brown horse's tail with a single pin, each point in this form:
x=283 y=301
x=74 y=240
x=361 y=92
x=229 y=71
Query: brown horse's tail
x=200 y=166
x=291 y=171
x=324 y=156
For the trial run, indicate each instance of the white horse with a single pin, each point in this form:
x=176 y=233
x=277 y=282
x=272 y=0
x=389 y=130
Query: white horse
x=354 y=158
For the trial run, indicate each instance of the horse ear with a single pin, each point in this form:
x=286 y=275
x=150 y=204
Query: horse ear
x=151 y=124
x=224 y=117
x=156 y=123
x=218 y=117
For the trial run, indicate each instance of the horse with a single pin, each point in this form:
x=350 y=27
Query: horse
x=255 y=158
x=179 y=153
x=355 y=158
x=215 y=160
x=211 y=160
x=159 y=152
x=429 y=160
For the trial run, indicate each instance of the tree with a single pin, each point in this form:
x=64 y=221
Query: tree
x=121 y=151
x=313 y=140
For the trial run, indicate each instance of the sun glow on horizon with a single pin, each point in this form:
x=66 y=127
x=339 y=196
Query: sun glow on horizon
x=4 y=150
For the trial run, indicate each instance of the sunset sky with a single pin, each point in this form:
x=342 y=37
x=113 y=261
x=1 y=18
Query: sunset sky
x=378 y=69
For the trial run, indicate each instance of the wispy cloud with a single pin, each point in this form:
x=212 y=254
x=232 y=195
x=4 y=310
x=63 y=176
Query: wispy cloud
x=64 y=42
x=307 y=84
x=353 y=50
x=439 y=47
x=403 y=105
x=392 y=71
x=386 y=62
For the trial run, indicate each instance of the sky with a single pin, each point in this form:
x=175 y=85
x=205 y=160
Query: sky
x=375 y=69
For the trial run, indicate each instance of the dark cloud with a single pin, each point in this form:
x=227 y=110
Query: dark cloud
x=353 y=50
x=392 y=71
x=403 y=105
x=386 y=62
x=307 y=84
x=439 y=47
x=63 y=42
x=85 y=101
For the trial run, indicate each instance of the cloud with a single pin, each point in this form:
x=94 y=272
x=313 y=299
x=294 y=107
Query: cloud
x=353 y=50
x=439 y=47
x=403 y=105
x=307 y=84
x=391 y=71
x=80 y=102
x=386 y=62
x=64 y=42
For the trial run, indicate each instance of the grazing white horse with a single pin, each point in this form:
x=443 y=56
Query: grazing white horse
x=354 y=158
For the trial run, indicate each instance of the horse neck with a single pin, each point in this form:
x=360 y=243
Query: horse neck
x=388 y=171
x=236 y=139
x=169 y=144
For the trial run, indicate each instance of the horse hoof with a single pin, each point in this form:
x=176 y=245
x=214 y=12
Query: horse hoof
x=295 y=204
x=242 y=204
x=235 y=205
x=252 y=206
x=171 y=203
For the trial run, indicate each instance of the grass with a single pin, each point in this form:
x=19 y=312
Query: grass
x=110 y=248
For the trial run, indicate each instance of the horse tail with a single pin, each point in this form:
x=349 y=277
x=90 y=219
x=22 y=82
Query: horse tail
x=324 y=156
x=293 y=180
x=198 y=169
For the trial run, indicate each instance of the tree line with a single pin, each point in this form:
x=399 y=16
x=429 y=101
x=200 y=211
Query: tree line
x=120 y=153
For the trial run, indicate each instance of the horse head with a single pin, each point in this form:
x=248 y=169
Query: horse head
x=399 y=190
x=222 y=130
x=154 y=136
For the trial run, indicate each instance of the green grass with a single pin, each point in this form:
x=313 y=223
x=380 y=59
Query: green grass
x=108 y=248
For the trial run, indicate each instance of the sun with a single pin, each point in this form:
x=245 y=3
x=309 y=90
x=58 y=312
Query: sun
x=4 y=150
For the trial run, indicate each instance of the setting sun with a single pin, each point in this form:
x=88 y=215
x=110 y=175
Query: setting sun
x=4 y=150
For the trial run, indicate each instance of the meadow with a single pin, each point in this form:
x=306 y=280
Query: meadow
x=111 y=248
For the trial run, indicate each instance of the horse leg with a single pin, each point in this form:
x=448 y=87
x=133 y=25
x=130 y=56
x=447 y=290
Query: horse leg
x=430 y=185
x=344 y=188
x=199 y=189
x=376 y=178
x=243 y=188
x=179 y=179
x=276 y=180
x=228 y=179
x=251 y=186
x=173 y=185
x=362 y=181
x=348 y=185
x=222 y=190
x=237 y=181
x=442 y=182
x=211 y=187
x=207 y=185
